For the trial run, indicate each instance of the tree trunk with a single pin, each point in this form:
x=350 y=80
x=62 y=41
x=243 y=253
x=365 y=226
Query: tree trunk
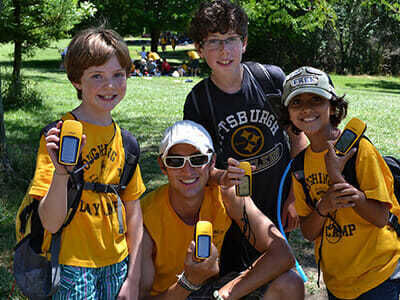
x=155 y=35
x=3 y=145
x=17 y=46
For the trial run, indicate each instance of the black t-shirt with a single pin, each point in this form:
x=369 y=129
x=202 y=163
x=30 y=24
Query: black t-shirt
x=248 y=130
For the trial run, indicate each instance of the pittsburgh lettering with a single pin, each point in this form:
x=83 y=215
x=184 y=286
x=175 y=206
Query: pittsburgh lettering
x=257 y=116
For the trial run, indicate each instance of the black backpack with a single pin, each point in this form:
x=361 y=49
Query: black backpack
x=35 y=275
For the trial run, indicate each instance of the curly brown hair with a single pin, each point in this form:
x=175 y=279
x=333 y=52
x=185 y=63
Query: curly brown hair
x=219 y=16
x=338 y=104
x=94 y=47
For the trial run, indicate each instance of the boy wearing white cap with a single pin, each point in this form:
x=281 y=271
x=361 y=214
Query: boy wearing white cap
x=171 y=212
x=357 y=250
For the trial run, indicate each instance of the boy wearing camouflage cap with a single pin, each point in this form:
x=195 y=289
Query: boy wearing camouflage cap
x=337 y=216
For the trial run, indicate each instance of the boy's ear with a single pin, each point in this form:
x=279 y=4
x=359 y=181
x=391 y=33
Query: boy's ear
x=213 y=160
x=76 y=85
x=244 y=45
x=162 y=166
x=199 y=49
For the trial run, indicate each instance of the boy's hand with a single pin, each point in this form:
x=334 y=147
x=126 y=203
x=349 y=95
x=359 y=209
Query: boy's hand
x=339 y=195
x=198 y=272
x=52 y=145
x=335 y=164
x=232 y=174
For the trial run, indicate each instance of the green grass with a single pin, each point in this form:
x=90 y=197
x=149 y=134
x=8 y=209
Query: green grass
x=148 y=108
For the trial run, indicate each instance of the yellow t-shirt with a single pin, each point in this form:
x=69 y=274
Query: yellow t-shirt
x=154 y=56
x=193 y=54
x=171 y=236
x=363 y=256
x=92 y=239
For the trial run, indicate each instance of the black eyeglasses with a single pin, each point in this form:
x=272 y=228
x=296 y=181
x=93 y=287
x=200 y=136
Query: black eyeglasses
x=196 y=160
x=231 y=42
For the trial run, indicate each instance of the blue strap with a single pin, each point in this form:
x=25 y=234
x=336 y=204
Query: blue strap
x=281 y=184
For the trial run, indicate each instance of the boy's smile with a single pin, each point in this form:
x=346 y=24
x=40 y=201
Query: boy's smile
x=223 y=52
x=103 y=87
x=187 y=182
x=310 y=113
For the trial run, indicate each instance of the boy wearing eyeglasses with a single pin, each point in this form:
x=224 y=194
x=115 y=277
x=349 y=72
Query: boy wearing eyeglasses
x=240 y=118
x=170 y=213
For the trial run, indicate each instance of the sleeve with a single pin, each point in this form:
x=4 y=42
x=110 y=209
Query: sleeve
x=43 y=172
x=379 y=186
x=302 y=208
x=135 y=187
x=189 y=109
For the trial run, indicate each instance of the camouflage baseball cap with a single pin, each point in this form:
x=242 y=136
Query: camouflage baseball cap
x=307 y=80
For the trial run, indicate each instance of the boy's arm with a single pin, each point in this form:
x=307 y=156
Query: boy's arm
x=375 y=212
x=298 y=142
x=53 y=206
x=134 y=235
x=195 y=272
x=276 y=257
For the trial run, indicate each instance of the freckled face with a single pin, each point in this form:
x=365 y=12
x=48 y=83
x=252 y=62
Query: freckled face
x=103 y=87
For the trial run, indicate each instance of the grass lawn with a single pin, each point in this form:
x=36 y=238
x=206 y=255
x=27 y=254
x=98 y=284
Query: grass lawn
x=152 y=104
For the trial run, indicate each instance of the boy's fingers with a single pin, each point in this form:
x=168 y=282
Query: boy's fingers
x=350 y=154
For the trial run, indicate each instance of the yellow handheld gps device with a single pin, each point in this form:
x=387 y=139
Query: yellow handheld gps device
x=353 y=130
x=244 y=188
x=203 y=239
x=70 y=143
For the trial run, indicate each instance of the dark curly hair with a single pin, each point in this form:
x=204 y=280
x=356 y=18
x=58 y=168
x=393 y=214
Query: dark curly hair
x=219 y=16
x=338 y=104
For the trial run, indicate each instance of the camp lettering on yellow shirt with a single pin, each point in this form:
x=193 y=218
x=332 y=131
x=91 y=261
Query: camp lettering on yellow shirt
x=363 y=255
x=171 y=236
x=92 y=239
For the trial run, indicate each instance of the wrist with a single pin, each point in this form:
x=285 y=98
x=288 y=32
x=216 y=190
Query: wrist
x=186 y=284
x=60 y=173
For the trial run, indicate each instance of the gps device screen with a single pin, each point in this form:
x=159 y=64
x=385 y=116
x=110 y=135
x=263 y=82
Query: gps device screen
x=69 y=149
x=203 y=245
x=345 y=140
x=244 y=187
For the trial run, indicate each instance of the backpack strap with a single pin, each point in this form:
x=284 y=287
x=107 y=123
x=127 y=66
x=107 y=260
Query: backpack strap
x=393 y=163
x=265 y=83
x=218 y=145
x=298 y=172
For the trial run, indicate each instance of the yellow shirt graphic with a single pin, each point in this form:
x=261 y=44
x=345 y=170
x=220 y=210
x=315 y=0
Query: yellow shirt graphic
x=172 y=236
x=361 y=256
x=92 y=239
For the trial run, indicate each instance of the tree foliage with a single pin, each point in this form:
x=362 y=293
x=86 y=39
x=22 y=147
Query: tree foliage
x=355 y=36
x=151 y=16
x=32 y=24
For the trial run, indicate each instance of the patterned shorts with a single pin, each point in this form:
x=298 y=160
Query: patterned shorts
x=91 y=283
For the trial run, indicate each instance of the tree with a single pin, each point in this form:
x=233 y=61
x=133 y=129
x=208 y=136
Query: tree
x=3 y=145
x=283 y=32
x=32 y=24
x=155 y=16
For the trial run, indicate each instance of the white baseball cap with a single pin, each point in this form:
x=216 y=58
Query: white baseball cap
x=186 y=132
x=307 y=80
